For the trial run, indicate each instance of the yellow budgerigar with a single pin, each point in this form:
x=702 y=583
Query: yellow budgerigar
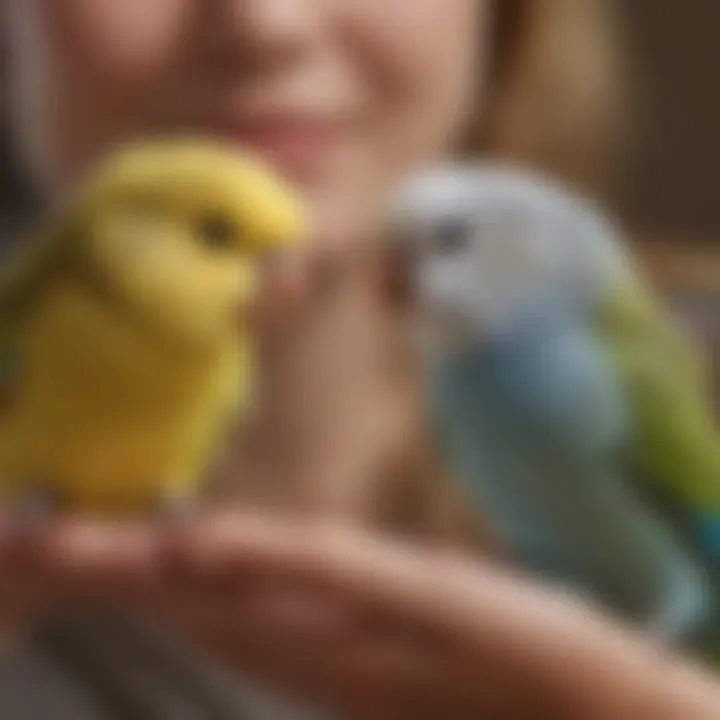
x=125 y=346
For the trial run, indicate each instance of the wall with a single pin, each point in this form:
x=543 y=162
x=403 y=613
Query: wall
x=671 y=181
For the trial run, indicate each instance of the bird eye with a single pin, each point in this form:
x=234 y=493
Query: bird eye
x=217 y=232
x=452 y=235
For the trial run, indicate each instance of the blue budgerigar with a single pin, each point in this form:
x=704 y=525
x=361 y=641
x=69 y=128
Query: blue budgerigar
x=572 y=408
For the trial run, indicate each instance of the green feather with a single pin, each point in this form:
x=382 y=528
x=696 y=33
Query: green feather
x=675 y=441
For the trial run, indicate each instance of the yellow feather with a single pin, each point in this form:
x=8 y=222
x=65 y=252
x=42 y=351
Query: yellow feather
x=133 y=355
x=107 y=419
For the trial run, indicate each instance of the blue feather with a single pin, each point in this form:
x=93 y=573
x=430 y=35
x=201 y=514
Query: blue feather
x=534 y=425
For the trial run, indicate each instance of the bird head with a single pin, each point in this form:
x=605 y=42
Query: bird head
x=489 y=247
x=175 y=230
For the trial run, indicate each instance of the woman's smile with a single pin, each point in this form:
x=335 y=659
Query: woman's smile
x=298 y=143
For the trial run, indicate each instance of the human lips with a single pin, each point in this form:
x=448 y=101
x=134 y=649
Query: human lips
x=297 y=143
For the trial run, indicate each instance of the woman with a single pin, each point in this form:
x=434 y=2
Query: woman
x=346 y=98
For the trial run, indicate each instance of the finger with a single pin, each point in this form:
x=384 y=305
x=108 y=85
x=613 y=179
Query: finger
x=365 y=674
x=99 y=559
x=439 y=590
x=270 y=608
x=278 y=647
x=23 y=587
x=332 y=556
x=322 y=566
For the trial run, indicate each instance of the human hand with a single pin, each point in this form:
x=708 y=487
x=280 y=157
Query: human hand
x=372 y=628
x=375 y=629
x=317 y=618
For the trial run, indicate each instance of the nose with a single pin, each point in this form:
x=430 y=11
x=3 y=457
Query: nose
x=258 y=34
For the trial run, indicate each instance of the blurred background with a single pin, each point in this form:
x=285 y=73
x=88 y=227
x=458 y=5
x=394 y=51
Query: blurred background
x=668 y=181
x=669 y=184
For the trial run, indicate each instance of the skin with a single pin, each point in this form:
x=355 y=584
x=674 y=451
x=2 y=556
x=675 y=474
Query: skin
x=389 y=85
x=366 y=626
x=91 y=74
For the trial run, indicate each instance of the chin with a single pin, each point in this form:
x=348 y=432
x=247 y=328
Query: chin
x=345 y=208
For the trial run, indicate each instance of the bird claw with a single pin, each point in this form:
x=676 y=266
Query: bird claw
x=31 y=508
x=177 y=508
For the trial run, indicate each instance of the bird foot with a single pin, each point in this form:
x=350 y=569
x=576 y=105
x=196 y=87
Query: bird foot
x=31 y=508
x=177 y=508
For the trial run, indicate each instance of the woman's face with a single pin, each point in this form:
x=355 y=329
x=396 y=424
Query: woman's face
x=344 y=96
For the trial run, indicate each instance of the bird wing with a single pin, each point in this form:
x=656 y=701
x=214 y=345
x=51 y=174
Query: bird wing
x=229 y=402
x=675 y=444
x=8 y=370
x=236 y=391
x=25 y=273
x=23 y=276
